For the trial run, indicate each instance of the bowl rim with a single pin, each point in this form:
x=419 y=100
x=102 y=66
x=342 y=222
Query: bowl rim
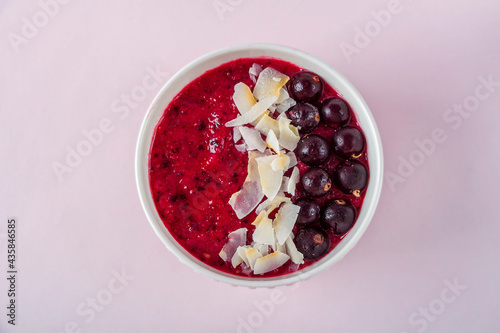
x=375 y=155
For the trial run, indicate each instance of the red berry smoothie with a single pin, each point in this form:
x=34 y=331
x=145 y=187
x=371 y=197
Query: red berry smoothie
x=194 y=167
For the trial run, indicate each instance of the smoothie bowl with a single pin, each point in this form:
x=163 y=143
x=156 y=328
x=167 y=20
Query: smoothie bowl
x=259 y=165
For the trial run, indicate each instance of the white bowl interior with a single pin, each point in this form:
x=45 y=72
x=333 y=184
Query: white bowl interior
x=301 y=59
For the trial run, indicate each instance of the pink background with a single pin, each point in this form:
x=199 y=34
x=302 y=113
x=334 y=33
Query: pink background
x=436 y=225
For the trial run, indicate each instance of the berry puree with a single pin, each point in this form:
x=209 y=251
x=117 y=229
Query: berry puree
x=194 y=166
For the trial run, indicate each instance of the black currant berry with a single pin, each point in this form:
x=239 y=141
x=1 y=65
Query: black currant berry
x=312 y=242
x=338 y=216
x=316 y=182
x=348 y=142
x=304 y=116
x=309 y=211
x=306 y=87
x=335 y=112
x=313 y=150
x=351 y=177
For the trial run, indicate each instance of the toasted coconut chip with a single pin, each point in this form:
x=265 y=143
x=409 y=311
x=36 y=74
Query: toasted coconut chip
x=281 y=247
x=270 y=262
x=241 y=250
x=285 y=105
x=270 y=205
x=264 y=233
x=270 y=180
x=283 y=96
x=269 y=83
x=253 y=139
x=255 y=112
x=268 y=159
x=245 y=200
x=243 y=98
x=281 y=163
x=281 y=115
x=284 y=221
x=252 y=256
x=294 y=179
x=267 y=124
x=235 y=239
x=262 y=248
x=256 y=121
x=292 y=251
x=236 y=134
x=242 y=147
x=262 y=207
x=289 y=135
x=245 y=269
x=284 y=184
x=259 y=217
x=254 y=71
x=293 y=159
x=236 y=259
x=272 y=141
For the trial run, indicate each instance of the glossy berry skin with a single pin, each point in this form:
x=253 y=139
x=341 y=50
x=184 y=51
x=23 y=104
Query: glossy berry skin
x=304 y=116
x=338 y=216
x=351 y=177
x=313 y=150
x=348 y=142
x=335 y=112
x=309 y=211
x=312 y=242
x=306 y=87
x=316 y=182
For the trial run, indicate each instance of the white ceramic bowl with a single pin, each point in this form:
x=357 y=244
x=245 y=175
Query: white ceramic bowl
x=301 y=59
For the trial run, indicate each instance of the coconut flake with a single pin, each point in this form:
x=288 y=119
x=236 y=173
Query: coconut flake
x=236 y=134
x=245 y=200
x=270 y=180
x=269 y=205
x=269 y=84
x=254 y=113
x=280 y=163
x=272 y=142
x=284 y=101
x=267 y=124
x=284 y=221
x=256 y=121
x=243 y=98
x=242 y=147
x=281 y=248
x=293 y=159
x=292 y=183
x=281 y=115
x=291 y=250
x=262 y=207
x=252 y=256
x=235 y=239
x=254 y=71
x=283 y=96
x=264 y=233
x=242 y=252
x=285 y=105
x=270 y=262
x=289 y=135
x=236 y=259
x=262 y=248
x=267 y=158
x=259 y=217
x=284 y=184
x=253 y=139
